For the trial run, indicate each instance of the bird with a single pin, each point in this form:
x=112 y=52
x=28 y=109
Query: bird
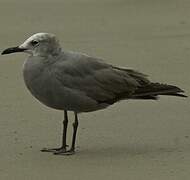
x=74 y=81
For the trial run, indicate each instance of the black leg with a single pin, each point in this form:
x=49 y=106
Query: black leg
x=64 y=137
x=75 y=126
x=72 y=149
x=62 y=149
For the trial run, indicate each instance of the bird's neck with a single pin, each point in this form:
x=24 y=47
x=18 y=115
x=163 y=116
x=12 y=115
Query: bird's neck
x=48 y=53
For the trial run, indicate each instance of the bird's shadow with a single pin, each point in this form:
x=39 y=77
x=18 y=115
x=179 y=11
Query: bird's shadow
x=131 y=151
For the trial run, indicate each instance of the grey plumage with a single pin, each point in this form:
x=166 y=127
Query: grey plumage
x=89 y=82
x=72 y=81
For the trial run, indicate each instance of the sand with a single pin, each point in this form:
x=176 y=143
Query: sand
x=133 y=140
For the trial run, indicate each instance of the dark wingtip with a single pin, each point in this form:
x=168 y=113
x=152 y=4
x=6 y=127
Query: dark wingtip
x=181 y=91
x=182 y=95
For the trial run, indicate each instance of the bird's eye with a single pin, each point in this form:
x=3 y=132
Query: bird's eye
x=34 y=42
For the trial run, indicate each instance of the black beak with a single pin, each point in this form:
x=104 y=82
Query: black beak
x=12 y=50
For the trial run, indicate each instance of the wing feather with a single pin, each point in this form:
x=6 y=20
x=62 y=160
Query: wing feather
x=100 y=81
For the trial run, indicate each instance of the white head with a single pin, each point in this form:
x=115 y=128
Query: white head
x=40 y=44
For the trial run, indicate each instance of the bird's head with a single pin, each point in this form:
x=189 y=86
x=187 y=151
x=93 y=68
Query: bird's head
x=40 y=44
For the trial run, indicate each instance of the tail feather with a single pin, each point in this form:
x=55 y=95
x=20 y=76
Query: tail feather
x=155 y=89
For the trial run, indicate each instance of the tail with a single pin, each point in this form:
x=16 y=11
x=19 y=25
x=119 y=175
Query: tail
x=152 y=90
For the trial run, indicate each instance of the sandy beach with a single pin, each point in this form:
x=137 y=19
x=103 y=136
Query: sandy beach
x=133 y=140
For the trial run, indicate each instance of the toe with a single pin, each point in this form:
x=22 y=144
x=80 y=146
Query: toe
x=67 y=153
x=54 y=150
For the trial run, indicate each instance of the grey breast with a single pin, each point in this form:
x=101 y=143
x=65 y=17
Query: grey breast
x=45 y=80
x=37 y=79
